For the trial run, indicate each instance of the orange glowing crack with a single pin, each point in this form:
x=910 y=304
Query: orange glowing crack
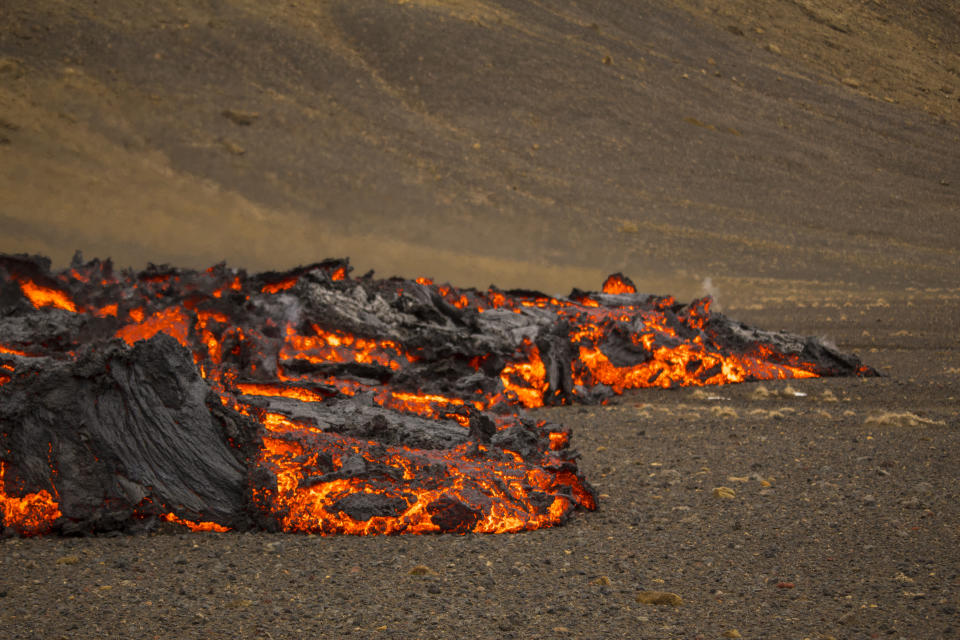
x=280 y=423
x=14 y=352
x=277 y=287
x=297 y=393
x=196 y=526
x=41 y=296
x=423 y=404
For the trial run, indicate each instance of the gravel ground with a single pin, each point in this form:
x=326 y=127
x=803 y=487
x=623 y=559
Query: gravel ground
x=842 y=522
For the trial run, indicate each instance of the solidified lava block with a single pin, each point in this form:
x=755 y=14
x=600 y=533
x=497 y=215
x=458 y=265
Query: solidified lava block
x=120 y=431
x=312 y=401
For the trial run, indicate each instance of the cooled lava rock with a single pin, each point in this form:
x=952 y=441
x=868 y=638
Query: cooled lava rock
x=312 y=401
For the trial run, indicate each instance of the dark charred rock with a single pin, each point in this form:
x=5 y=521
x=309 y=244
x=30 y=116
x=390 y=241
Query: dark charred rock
x=359 y=371
x=482 y=428
x=120 y=427
x=522 y=439
x=363 y=506
x=450 y=514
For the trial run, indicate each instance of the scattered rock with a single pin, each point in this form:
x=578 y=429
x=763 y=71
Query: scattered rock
x=243 y=118
x=724 y=492
x=899 y=419
x=11 y=68
x=724 y=412
x=238 y=603
x=923 y=488
x=601 y=581
x=702 y=394
x=732 y=633
x=670 y=476
x=913 y=502
x=233 y=147
x=659 y=598
x=71 y=559
x=422 y=570
x=760 y=392
x=772 y=48
x=851 y=82
x=607 y=60
x=785 y=585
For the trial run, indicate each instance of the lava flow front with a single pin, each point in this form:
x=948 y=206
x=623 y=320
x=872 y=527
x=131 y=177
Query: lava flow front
x=311 y=401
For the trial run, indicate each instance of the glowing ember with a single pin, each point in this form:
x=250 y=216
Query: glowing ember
x=341 y=406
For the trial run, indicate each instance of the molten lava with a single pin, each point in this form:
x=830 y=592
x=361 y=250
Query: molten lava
x=29 y=514
x=334 y=405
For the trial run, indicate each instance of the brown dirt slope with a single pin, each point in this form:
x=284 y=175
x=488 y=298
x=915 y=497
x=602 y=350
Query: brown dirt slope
x=479 y=140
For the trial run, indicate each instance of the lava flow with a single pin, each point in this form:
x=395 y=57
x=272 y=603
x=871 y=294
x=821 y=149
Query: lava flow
x=311 y=401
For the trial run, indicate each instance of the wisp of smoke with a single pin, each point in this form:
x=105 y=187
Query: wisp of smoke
x=711 y=290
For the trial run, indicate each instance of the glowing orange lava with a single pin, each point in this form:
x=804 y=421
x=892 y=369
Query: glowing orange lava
x=172 y=321
x=13 y=352
x=503 y=489
x=282 y=347
x=298 y=393
x=616 y=283
x=196 y=526
x=31 y=514
x=283 y=285
x=526 y=379
x=45 y=297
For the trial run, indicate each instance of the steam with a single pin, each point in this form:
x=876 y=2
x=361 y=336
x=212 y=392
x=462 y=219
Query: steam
x=829 y=343
x=708 y=288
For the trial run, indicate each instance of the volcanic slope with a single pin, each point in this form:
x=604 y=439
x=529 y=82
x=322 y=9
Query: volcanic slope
x=529 y=145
